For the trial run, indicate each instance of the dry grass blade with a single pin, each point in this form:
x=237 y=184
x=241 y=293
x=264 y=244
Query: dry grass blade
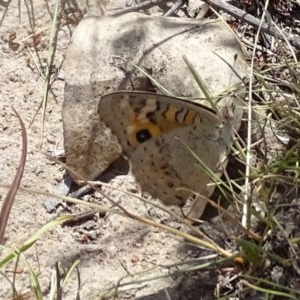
x=61 y=277
x=200 y=83
x=9 y=199
x=246 y=208
x=207 y=244
x=280 y=295
x=156 y=272
x=246 y=231
x=124 y=212
x=33 y=238
x=49 y=63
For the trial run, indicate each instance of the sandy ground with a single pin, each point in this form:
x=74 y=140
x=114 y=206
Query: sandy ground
x=108 y=246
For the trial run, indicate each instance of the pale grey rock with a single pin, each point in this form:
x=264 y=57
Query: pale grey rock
x=99 y=60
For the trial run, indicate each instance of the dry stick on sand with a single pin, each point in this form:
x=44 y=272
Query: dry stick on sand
x=176 y=6
x=245 y=17
x=143 y=5
x=9 y=199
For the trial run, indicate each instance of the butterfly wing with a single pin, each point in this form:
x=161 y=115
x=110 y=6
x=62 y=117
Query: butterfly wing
x=153 y=129
x=134 y=117
x=164 y=165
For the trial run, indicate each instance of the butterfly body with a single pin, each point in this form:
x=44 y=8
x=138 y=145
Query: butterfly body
x=159 y=135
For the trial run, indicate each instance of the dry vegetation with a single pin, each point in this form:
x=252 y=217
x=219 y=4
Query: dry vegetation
x=262 y=262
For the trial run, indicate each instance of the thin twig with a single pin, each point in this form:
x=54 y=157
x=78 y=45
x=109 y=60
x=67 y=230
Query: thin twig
x=171 y=11
x=258 y=47
x=143 y=5
x=48 y=69
x=245 y=17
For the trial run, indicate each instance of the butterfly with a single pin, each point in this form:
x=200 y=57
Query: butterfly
x=162 y=137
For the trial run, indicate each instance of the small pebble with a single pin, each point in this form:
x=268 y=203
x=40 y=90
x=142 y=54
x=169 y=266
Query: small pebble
x=51 y=204
x=90 y=225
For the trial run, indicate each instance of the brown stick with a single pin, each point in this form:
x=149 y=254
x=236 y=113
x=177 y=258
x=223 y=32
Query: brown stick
x=245 y=17
x=9 y=199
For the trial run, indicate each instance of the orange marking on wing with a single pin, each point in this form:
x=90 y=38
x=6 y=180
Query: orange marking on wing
x=171 y=112
x=189 y=117
x=137 y=126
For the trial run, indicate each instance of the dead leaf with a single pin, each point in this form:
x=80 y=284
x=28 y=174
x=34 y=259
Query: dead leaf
x=35 y=40
x=13 y=45
x=72 y=18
